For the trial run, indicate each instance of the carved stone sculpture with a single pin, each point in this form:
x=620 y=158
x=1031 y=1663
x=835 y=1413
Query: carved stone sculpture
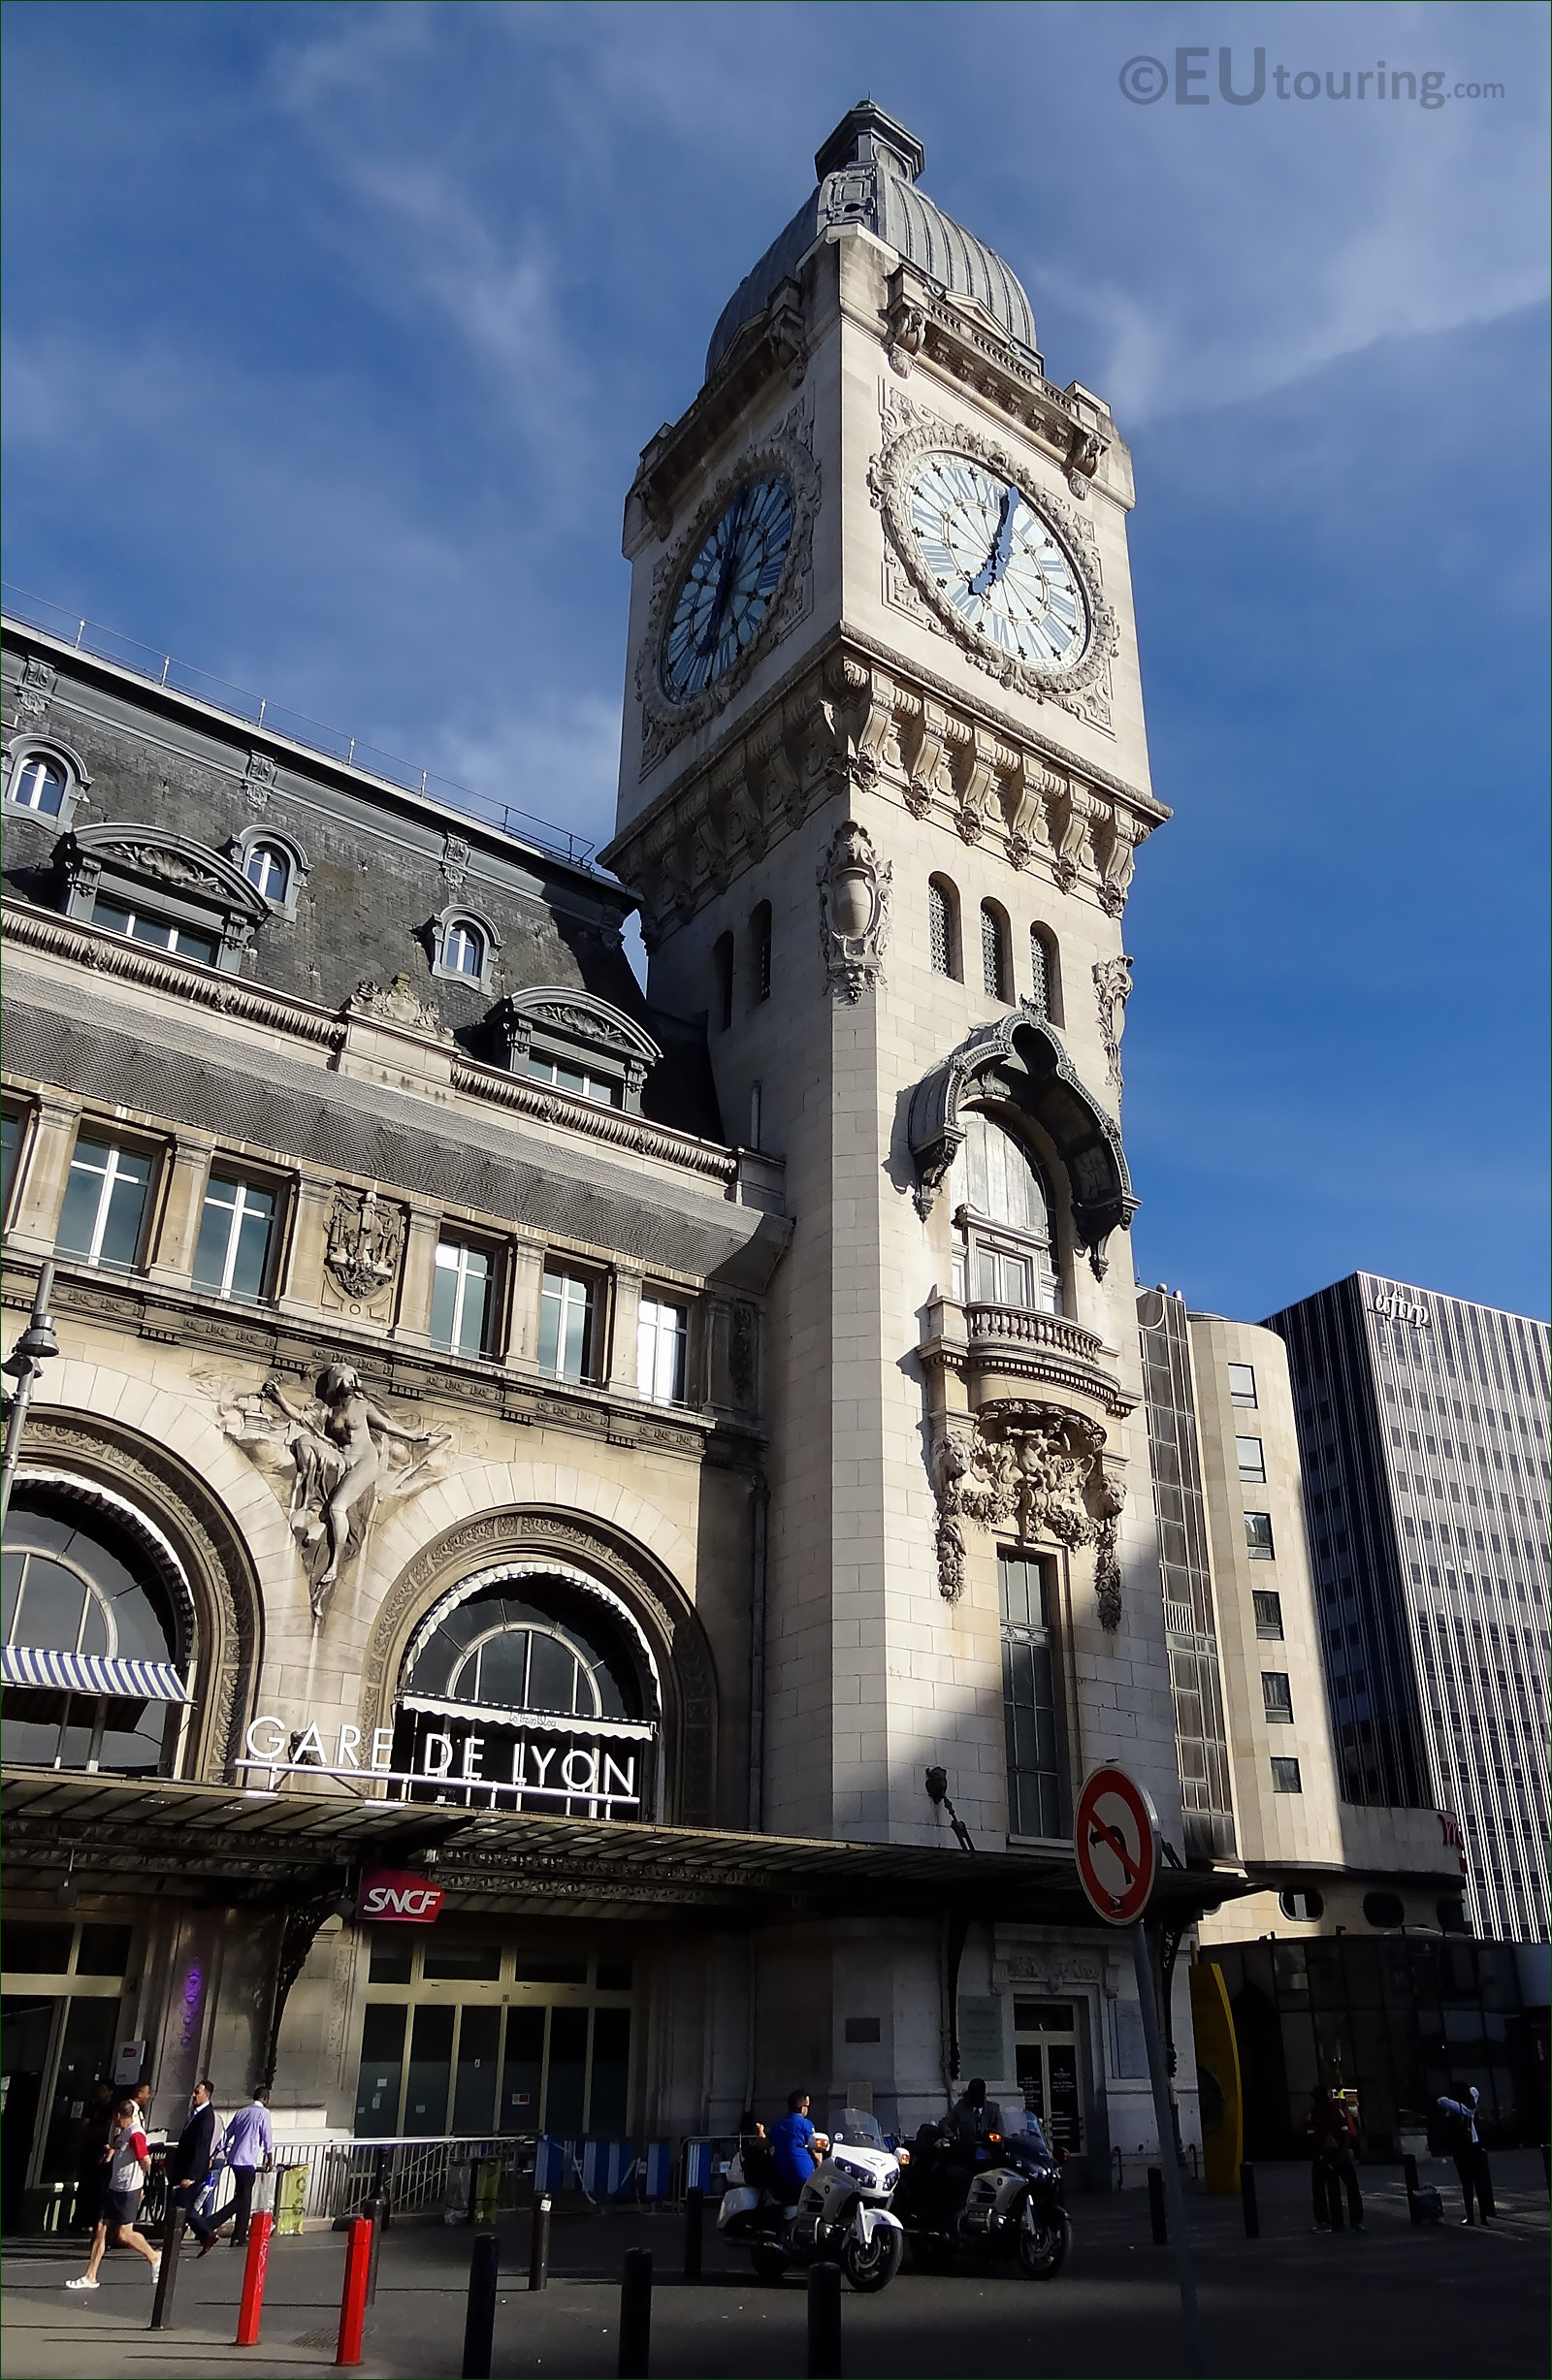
x=365 y=1240
x=1039 y=1467
x=397 y=1002
x=345 y=1457
x=853 y=912
x=1113 y=985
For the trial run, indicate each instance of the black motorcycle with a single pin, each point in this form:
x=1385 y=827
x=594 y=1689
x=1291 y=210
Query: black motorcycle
x=998 y=2196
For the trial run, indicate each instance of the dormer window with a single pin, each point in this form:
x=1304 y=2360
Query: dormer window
x=44 y=778
x=463 y=950
x=577 y=1042
x=274 y=863
x=270 y=869
x=163 y=890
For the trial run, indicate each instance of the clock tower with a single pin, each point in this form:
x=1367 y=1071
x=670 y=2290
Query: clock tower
x=884 y=775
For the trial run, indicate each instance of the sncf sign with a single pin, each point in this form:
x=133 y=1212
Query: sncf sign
x=393 y=1895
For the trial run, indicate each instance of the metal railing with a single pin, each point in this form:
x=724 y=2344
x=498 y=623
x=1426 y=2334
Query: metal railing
x=416 y=2172
x=258 y=711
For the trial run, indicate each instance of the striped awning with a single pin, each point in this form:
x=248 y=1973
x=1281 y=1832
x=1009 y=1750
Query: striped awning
x=93 y=1673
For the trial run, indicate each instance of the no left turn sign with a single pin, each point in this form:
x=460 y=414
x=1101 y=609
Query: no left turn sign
x=1116 y=1844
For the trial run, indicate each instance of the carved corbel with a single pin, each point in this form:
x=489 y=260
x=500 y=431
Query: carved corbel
x=974 y=764
x=1071 y=812
x=931 y=738
x=1120 y=860
x=1085 y=451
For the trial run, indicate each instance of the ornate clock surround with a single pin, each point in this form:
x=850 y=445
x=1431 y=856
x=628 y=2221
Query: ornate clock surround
x=665 y=722
x=890 y=478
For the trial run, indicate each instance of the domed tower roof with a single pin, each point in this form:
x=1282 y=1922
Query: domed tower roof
x=868 y=173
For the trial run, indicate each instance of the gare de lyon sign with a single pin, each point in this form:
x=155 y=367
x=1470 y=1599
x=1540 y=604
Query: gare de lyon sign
x=586 y=1772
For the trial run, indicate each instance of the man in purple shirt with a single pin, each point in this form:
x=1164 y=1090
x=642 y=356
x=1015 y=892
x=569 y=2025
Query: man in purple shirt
x=248 y=2146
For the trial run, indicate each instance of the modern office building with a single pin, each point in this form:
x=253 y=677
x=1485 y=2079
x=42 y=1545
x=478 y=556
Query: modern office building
x=1259 y=1775
x=1422 y=1423
x=643 y=1465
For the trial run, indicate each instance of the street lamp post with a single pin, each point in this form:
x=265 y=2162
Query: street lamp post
x=25 y=1362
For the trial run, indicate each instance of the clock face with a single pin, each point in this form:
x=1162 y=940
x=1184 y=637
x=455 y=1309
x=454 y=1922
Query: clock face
x=997 y=562
x=728 y=587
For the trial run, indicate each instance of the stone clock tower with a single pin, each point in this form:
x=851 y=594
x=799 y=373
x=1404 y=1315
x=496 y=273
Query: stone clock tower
x=884 y=775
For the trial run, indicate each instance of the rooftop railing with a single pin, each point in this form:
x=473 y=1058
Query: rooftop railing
x=258 y=711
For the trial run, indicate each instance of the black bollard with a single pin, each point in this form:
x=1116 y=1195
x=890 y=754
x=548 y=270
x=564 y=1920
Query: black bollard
x=695 y=2227
x=824 y=2322
x=167 y=2277
x=1408 y=2175
x=1155 y=2206
x=480 y=2319
x=539 y=2253
x=1252 y=2213
x=636 y=2315
x=372 y=2211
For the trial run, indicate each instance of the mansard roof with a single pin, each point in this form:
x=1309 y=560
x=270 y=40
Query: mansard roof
x=867 y=171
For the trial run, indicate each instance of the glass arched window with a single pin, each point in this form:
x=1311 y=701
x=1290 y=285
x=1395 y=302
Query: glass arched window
x=1044 y=973
x=941 y=935
x=722 y=968
x=1004 y=1249
x=93 y=1639
x=463 y=950
x=39 y=784
x=268 y=868
x=993 y=952
x=540 y=1675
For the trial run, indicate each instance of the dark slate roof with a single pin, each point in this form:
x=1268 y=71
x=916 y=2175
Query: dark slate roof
x=867 y=170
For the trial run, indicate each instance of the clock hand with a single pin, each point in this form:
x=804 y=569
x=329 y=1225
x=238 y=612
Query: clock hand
x=996 y=562
x=710 y=633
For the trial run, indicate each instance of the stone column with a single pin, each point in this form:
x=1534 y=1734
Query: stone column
x=525 y=1259
x=417 y=1275
x=626 y=1301
x=178 y=1233
x=43 y=1180
x=303 y=1278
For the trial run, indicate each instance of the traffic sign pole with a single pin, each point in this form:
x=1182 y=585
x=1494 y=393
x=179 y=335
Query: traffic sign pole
x=1115 y=1838
x=1168 y=2156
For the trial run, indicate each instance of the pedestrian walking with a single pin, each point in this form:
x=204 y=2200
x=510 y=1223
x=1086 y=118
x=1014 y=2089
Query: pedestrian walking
x=189 y=2168
x=91 y=2144
x=248 y=2147
x=127 y=2163
x=1334 y=2130
x=1463 y=2142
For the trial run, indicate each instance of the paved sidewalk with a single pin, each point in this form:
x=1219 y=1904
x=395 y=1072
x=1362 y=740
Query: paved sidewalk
x=1394 y=2303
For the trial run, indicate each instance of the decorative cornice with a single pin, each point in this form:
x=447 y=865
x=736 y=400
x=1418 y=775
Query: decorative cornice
x=110 y=954
x=852 y=723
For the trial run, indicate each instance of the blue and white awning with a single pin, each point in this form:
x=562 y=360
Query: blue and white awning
x=92 y=1673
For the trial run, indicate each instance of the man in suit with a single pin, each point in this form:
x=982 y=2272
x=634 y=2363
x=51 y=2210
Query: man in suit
x=189 y=2168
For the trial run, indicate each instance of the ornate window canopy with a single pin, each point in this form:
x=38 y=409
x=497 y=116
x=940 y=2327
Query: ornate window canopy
x=149 y=870
x=1019 y=1062
x=558 y=1034
x=280 y=897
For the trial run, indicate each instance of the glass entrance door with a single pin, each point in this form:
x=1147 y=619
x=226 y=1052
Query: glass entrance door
x=1045 y=2052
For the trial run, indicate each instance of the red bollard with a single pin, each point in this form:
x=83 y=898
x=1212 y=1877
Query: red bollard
x=354 y=2296
x=254 y=2273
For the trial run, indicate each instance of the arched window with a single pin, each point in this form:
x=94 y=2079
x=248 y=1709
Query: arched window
x=995 y=968
x=943 y=925
x=722 y=968
x=463 y=950
x=268 y=867
x=548 y=1680
x=95 y=1641
x=760 y=935
x=1045 y=968
x=39 y=785
x=1005 y=1251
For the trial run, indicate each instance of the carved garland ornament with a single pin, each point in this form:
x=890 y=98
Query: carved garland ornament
x=1113 y=989
x=889 y=479
x=665 y=722
x=1038 y=1467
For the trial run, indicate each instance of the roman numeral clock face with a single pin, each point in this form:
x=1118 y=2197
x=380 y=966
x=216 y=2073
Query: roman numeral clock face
x=999 y=565
x=726 y=593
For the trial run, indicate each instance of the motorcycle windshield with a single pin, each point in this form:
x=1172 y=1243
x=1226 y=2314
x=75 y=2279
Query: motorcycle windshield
x=857 y=2125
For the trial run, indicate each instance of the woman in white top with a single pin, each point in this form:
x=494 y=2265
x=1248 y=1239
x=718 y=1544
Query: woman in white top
x=128 y=2161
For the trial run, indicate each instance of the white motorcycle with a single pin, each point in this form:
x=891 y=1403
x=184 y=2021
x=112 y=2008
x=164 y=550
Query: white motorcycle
x=842 y=2215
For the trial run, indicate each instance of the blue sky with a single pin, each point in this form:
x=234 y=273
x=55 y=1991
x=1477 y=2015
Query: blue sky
x=333 y=331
